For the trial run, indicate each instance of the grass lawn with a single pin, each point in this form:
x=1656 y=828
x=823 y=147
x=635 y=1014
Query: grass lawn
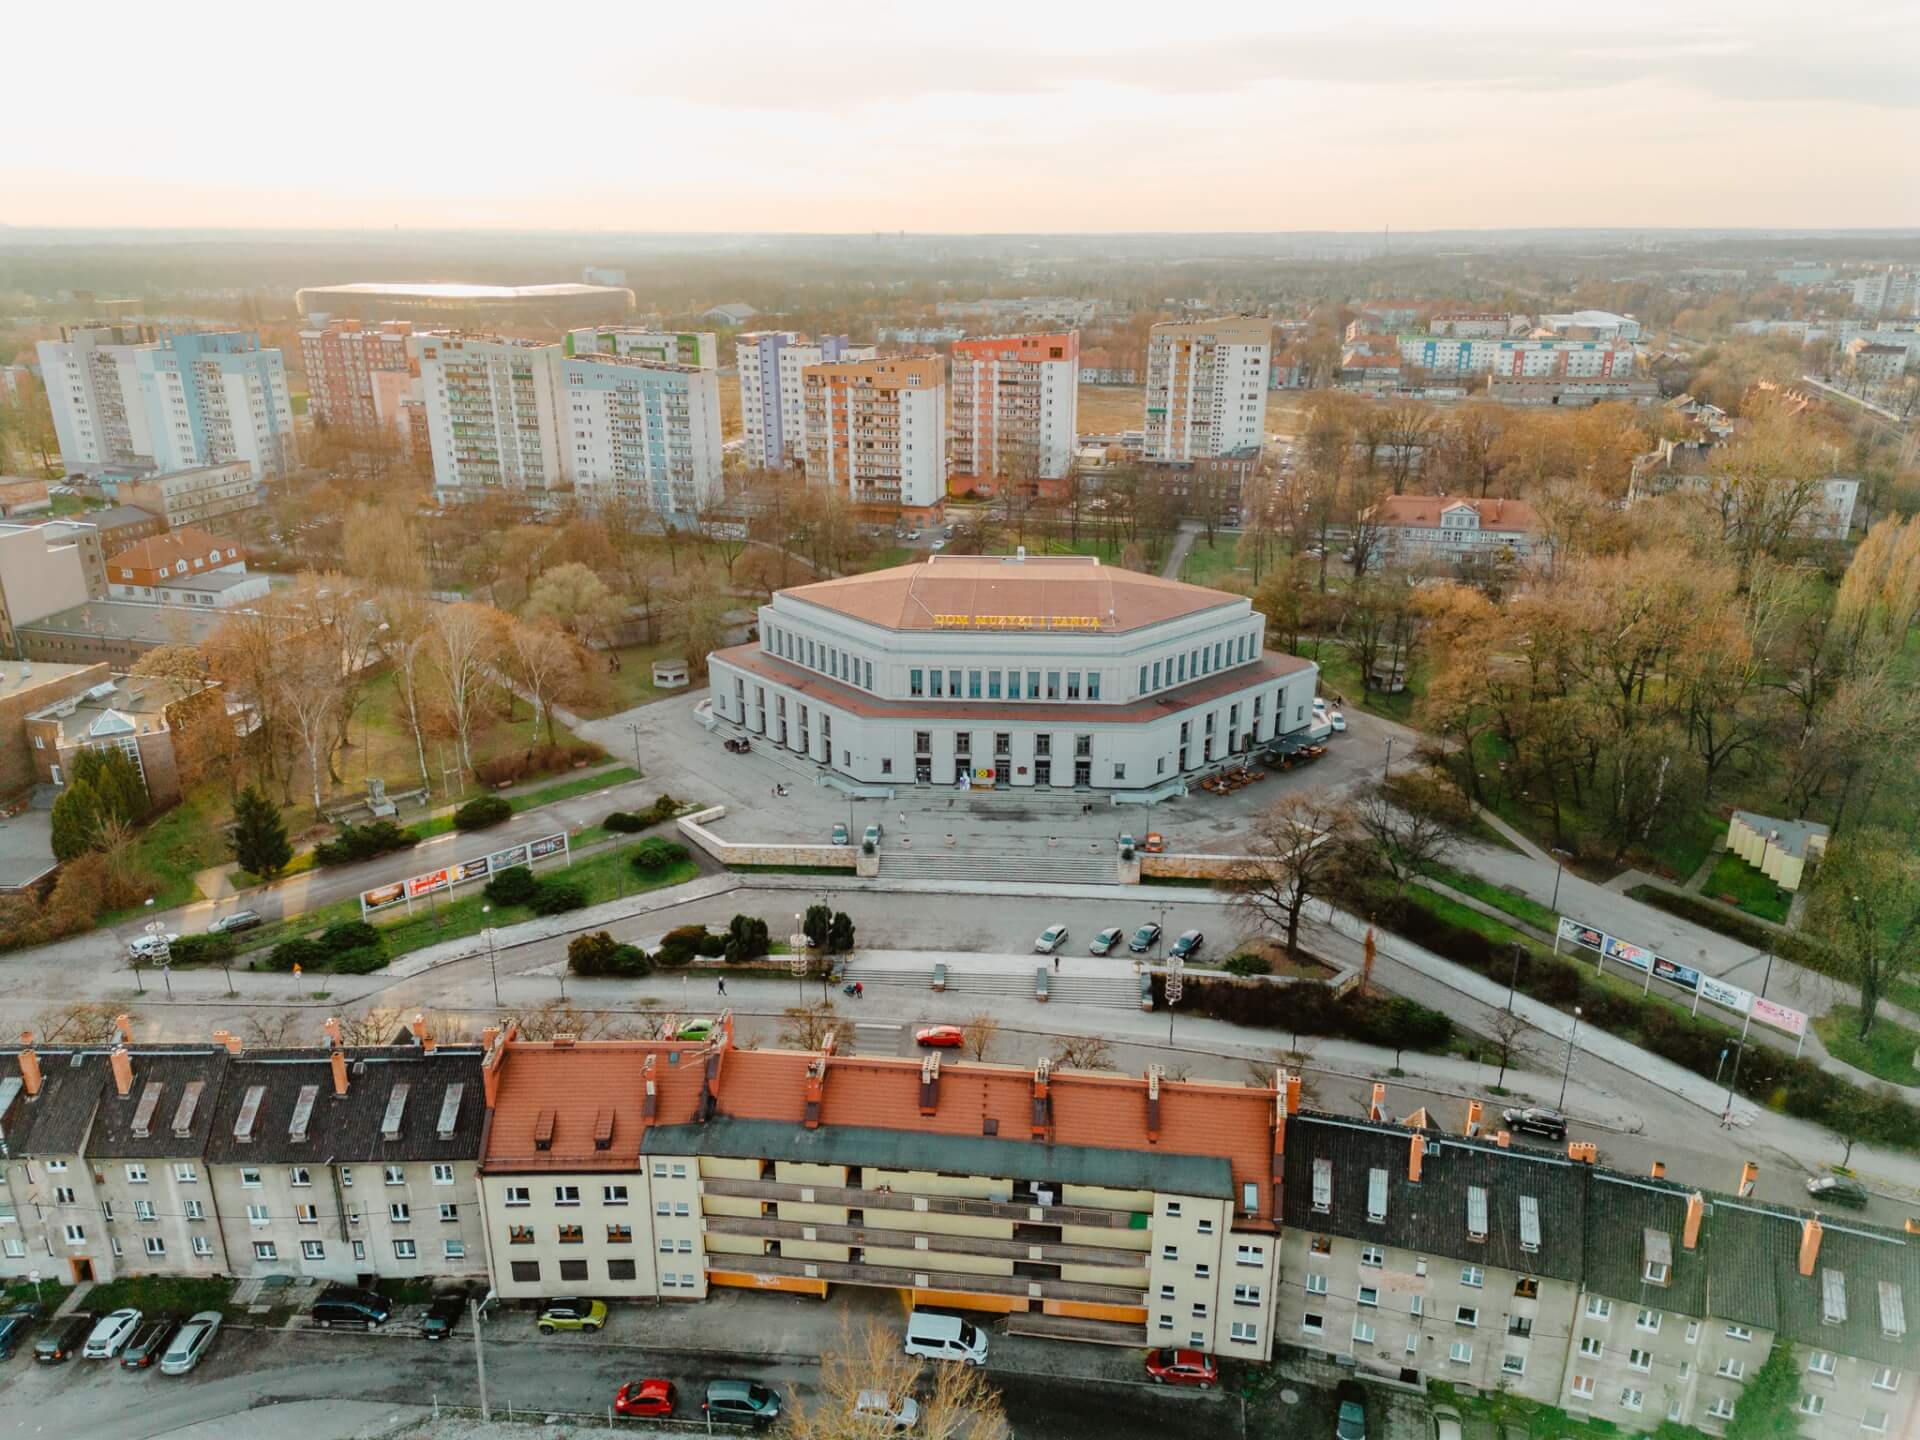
x=48 y=1294
x=1340 y=675
x=173 y=1294
x=1521 y=907
x=1211 y=563
x=632 y=684
x=1749 y=888
x=74 y=505
x=1887 y=1052
x=884 y=558
x=178 y=846
x=382 y=745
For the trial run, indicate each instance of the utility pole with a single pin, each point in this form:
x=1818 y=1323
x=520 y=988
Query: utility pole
x=479 y=1355
x=633 y=729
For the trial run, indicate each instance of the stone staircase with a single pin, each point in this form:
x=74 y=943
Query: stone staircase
x=1119 y=991
x=1066 y=864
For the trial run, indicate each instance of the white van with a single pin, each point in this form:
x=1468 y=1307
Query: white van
x=945 y=1337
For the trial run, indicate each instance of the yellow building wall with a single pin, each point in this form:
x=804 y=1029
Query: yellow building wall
x=967 y=1300
x=937 y=1260
x=730 y=1205
x=923 y=1182
x=792 y=1284
x=716 y=1169
x=811 y=1250
x=1105 y=1199
x=735 y=1244
x=812 y=1214
x=983 y=1225
x=793 y=1172
x=1113 y=1239
x=1104 y=1275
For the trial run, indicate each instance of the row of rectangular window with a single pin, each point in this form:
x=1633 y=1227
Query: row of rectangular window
x=925 y=684
x=827 y=659
x=186 y=1174
x=1195 y=663
x=527 y=1272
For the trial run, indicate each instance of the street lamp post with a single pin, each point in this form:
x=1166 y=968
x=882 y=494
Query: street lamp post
x=633 y=728
x=1566 y=1073
x=1519 y=953
x=493 y=961
x=1560 y=857
x=799 y=943
x=1175 y=986
x=1386 y=771
x=157 y=934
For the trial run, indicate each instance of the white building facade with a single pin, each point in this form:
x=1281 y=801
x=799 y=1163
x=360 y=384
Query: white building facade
x=490 y=413
x=772 y=396
x=93 y=390
x=1207 y=387
x=877 y=431
x=1479 y=355
x=642 y=429
x=1015 y=407
x=1021 y=671
x=698 y=348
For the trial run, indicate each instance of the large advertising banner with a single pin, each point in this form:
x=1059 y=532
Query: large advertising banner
x=1780 y=1017
x=416 y=887
x=1721 y=993
x=1685 y=976
x=1582 y=935
x=1628 y=954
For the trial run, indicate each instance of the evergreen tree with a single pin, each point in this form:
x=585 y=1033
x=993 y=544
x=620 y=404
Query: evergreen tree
x=259 y=835
x=840 y=935
x=1768 y=1409
x=76 y=821
x=817 y=925
x=121 y=794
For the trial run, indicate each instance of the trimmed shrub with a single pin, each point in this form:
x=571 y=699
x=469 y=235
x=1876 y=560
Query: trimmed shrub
x=747 y=939
x=600 y=954
x=1244 y=965
x=309 y=955
x=202 y=949
x=622 y=822
x=656 y=854
x=687 y=941
x=363 y=842
x=556 y=897
x=515 y=885
x=1391 y=1022
x=363 y=961
x=349 y=935
x=480 y=812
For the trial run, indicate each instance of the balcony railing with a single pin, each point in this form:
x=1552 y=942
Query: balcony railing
x=896 y=1277
x=859 y=1199
x=1041 y=1251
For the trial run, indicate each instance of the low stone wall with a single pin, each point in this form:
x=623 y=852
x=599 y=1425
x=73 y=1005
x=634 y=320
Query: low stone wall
x=728 y=852
x=1190 y=867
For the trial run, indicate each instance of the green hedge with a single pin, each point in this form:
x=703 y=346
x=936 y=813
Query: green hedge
x=624 y=822
x=1798 y=1087
x=480 y=812
x=600 y=954
x=679 y=946
x=1308 y=1009
x=363 y=842
x=658 y=854
x=202 y=949
x=515 y=885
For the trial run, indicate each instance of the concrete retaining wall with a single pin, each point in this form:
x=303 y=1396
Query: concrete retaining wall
x=1190 y=867
x=728 y=852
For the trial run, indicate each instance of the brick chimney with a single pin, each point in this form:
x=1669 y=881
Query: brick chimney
x=1377 y=1107
x=487 y=1037
x=1153 y=1104
x=339 y=1061
x=1809 y=1244
x=1749 y=1175
x=1293 y=1094
x=332 y=1031
x=122 y=1070
x=228 y=1039
x=29 y=1064
x=1474 y=1114
x=1502 y=1139
x=125 y=1026
x=1416 y=1156
x=1696 y=1209
x=418 y=1026
x=1659 y=1170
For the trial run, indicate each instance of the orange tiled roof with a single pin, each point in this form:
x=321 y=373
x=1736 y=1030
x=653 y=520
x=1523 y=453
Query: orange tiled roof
x=158 y=551
x=575 y=1084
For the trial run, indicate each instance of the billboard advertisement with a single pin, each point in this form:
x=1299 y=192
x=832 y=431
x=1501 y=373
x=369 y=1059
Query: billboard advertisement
x=1628 y=954
x=546 y=845
x=426 y=884
x=382 y=896
x=1721 y=993
x=1780 y=1017
x=1685 y=976
x=1579 y=934
x=416 y=887
x=506 y=859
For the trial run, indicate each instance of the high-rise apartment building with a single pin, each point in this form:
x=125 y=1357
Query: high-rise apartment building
x=490 y=412
x=1207 y=387
x=1886 y=293
x=685 y=347
x=217 y=396
x=641 y=430
x=771 y=400
x=877 y=429
x=1015 y=410
x=342 y=362
x=121 y=397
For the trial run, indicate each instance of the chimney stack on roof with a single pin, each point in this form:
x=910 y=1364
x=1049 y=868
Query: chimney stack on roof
x=1502 y=1139
x=339 y=1062
x=122 y=1070
x=1809 y=1244
x=1153 y=1104
x=29 y=1064
x=1749 y=1176
x=125 y=1026
x=418 y=1026
x=1042 y=1097
x=1416 y=1156
x=1659 y=1170
x=930 y=1084
x=488 y=1036
x=1293 y=1094
x=228 y=1039
x=332 y=1029
x=816 y=1092
x=1474 y=1114
x=1696 y=1211
x=1377 y=1106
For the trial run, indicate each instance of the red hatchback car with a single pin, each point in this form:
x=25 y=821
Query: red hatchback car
x=949 y=1036
x=644 y=1397
x=1182 y=1367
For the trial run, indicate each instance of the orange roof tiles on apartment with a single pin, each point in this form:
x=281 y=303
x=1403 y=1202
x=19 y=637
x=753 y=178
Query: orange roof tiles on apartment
x=1036 y=590
x=551 y=1100
x=1426 y=510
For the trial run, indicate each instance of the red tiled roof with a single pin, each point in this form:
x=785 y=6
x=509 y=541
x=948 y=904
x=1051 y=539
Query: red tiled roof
x=574 y=1084
x=755 y=661
x=1425 y=511
x=1040 y=588
x=186 y=543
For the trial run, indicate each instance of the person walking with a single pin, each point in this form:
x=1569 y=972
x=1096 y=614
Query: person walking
x=722 y=985
x=1056 y=963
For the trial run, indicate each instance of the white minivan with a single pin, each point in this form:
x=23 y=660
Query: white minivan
x=945 y=1337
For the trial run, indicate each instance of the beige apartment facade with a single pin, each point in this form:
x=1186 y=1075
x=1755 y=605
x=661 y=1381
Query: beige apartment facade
x=202 y=496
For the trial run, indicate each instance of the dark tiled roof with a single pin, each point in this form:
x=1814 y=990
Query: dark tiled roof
x=173 y=1072
x=1754 y=1279
x=55 y=1121
x=1620 y=1212
x=1431 y=1215
x=348 y=1129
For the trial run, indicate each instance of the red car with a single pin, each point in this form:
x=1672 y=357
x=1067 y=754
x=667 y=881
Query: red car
x=644 y=1397
x=1182 y=1367
x=949 y=1036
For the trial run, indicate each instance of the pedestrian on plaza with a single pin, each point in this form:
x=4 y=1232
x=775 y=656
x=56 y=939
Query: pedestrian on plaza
x=903 y=819
x=722 y=984
x=859 y=990
x=1056 y=964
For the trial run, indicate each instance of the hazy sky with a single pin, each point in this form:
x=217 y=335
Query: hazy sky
x=987 y=116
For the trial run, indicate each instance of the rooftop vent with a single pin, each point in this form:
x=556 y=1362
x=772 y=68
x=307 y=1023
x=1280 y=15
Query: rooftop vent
x=396 y=1107
x=189 y=1102
x=1376 y=1194
x=1323 y=1186
x=1833 y=1297
x=543 y=1131
x=249 y=1112
x=302 y=1112
x=450 y=1111
x=143 y=1112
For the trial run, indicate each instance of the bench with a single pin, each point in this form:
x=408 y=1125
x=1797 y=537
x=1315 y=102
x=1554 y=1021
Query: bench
x=1042 y=982
x=940 y=977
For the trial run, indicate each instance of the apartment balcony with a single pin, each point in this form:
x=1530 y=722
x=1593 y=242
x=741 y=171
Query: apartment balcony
x=856 y=1198
x=1036 y=1249
x=895 y=1277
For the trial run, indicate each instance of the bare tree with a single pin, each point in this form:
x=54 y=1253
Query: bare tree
x=557 y=1017
x=274 y=1029
x=545 y=662
x=1406 y=842
x=1508 y=1031
x=1293 y=848
x=308 y=681
x=406 y=640
x=956 y=1401
x=85 y=1022
x=809 y=1027
x=464 y=644
x=1083 y=1052
x=978 y=1033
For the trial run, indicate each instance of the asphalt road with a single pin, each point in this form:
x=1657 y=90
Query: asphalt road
x=248 y=1370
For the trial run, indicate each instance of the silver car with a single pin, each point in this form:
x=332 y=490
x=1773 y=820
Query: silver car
x=191 y=1343
x=1051 y=939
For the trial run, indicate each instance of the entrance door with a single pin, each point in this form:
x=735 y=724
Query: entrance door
x=923 y=771
x=1003 y=772
x=1083 y=772
x=82 y=1269
x=1043 y=772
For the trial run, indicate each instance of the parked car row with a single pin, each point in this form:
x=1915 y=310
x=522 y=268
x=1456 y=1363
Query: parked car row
x=1186 y=945
x=137 y=1341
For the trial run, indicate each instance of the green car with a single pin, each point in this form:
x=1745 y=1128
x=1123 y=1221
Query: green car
x=572 y=1314
x=695 y=1030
